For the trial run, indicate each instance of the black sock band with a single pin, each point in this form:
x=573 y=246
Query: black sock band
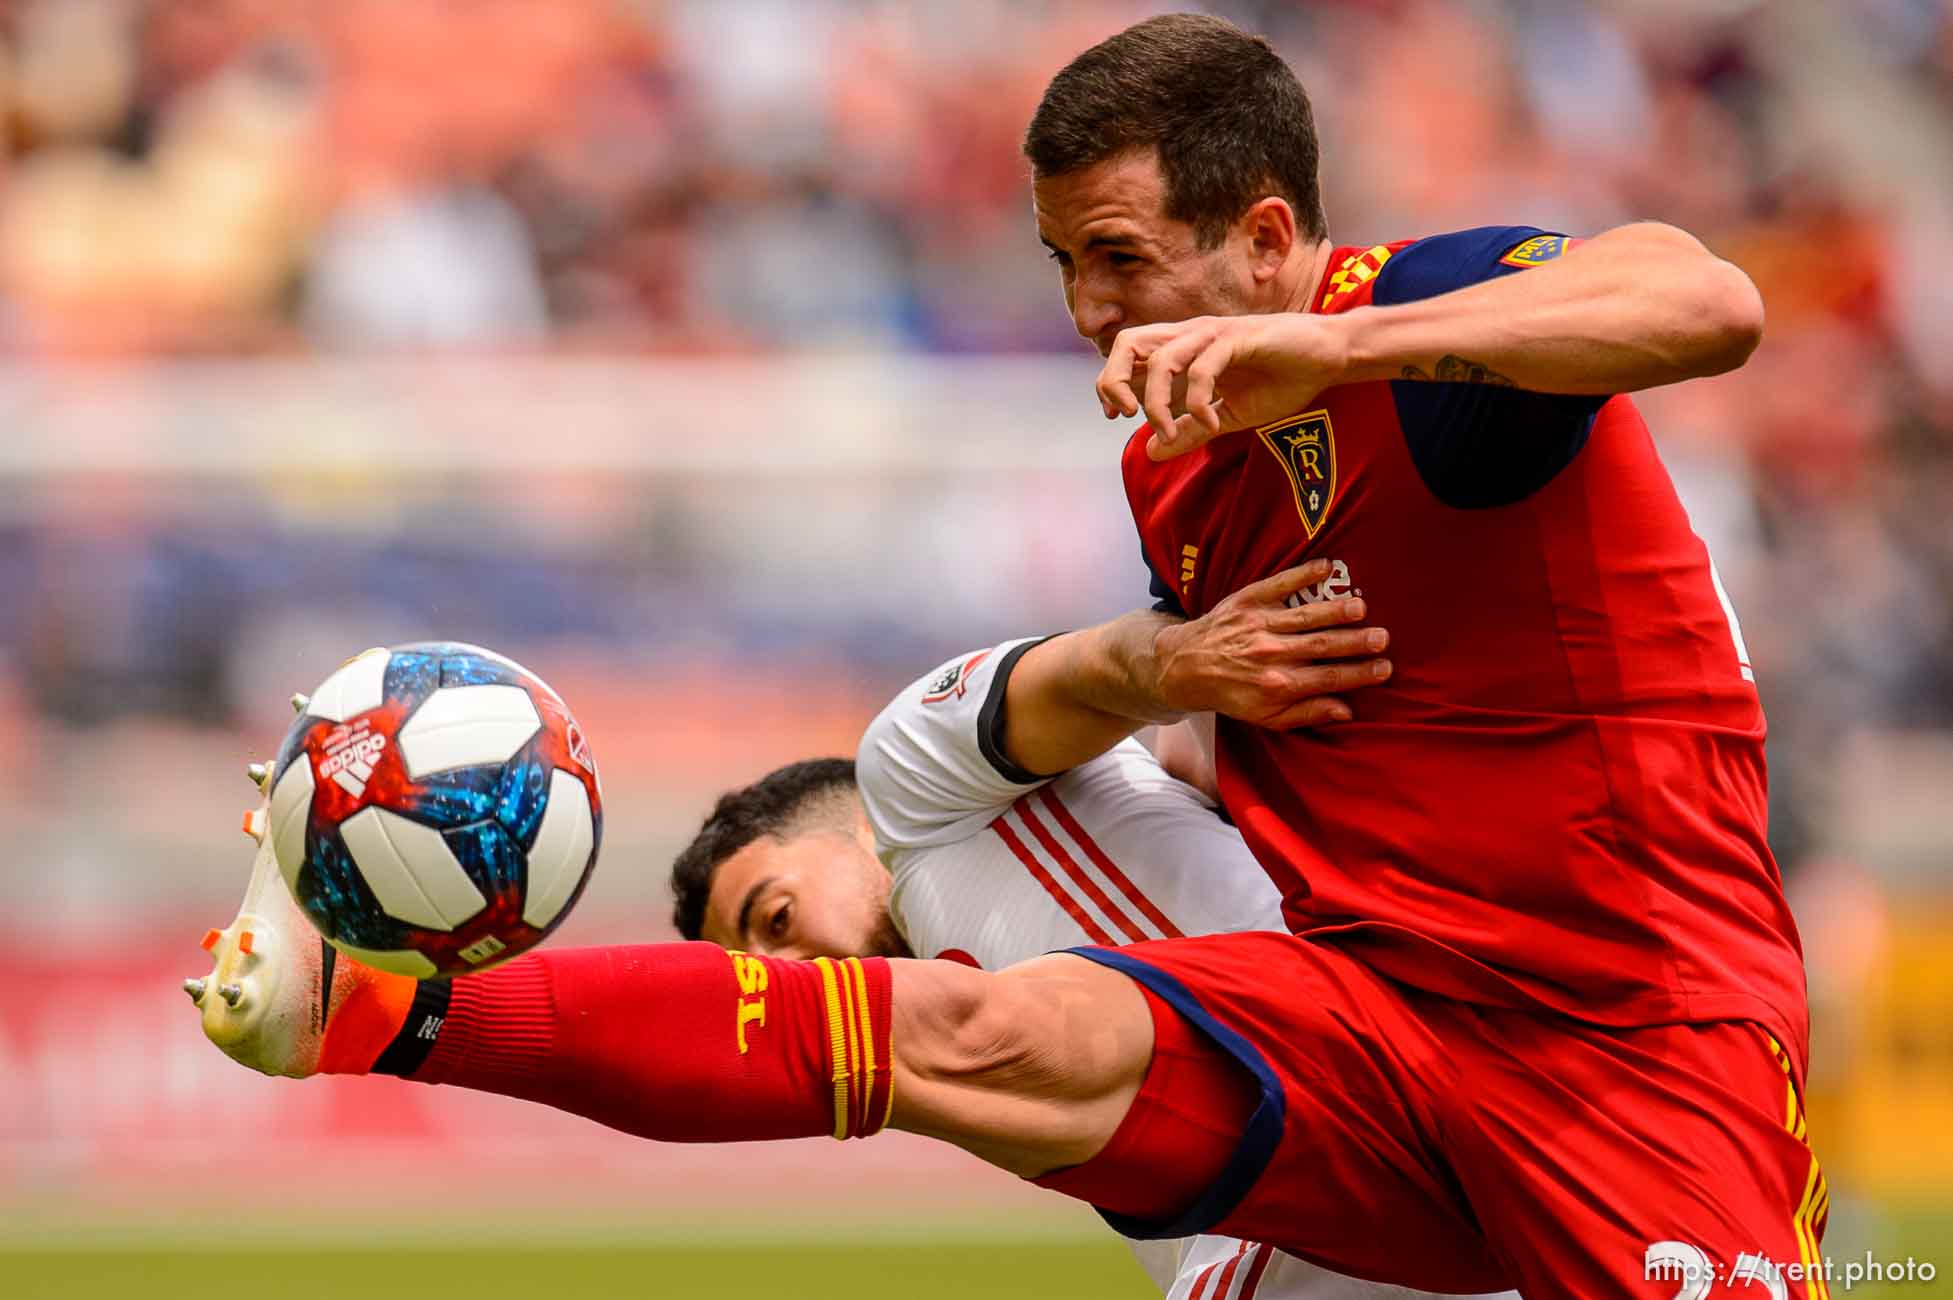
x=409 y=1048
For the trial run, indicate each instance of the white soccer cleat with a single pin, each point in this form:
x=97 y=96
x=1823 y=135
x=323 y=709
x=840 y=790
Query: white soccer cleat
x=275 y=987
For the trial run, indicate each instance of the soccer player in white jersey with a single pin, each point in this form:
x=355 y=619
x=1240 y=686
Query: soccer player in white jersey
x=934 y=844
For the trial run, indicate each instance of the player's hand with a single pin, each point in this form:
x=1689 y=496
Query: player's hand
x=1197 y=379
x=1256 y=659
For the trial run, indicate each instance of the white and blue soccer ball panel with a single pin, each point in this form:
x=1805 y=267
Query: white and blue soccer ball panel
x=435 y=809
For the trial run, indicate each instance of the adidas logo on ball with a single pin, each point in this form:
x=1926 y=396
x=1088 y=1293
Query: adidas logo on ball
x=350 y=757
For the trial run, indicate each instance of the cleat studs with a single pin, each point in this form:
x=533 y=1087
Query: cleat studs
x=244 y=941
x=259 y=774
x=299 y=702
x=195 y=989
x=210 y=938
x=254 y=824
x=231 y=993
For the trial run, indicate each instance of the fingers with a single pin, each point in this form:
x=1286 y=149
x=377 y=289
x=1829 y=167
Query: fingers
x=1340 y=643
x=1130 y=351
x=1160 y=374
x=1166 y=370
x=1339 y=678
x=1311 y=616
x=1204 y=349
x=1170 y=372
x=1320 y=687
x=1203 y=375
x=1317 y=711
x=1278 y=587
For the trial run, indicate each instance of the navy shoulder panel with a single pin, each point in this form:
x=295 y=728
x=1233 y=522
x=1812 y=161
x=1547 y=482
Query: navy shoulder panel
x=1442 y=263
x=1479 y=446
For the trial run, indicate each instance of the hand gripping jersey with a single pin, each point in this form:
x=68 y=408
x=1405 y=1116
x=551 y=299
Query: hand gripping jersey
x=993 y=865
x=1559 y=798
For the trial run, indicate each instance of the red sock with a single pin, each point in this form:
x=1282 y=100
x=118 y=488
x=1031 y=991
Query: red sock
x=1178 y=1137
x=679 y=1042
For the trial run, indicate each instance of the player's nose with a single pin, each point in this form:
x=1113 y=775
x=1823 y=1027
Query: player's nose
x=1097 y=318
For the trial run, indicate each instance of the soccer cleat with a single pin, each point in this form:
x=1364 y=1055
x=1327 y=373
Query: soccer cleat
x=286 y=1003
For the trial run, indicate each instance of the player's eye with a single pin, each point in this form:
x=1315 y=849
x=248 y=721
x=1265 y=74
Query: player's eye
x=776 y=925
x=1122 y=261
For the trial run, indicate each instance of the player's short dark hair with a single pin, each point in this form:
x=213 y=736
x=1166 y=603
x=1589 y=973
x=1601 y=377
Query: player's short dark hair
x=780 y=803
x=1225 y=116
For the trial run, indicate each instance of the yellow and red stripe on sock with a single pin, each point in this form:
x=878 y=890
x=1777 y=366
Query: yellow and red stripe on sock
x=856 y=995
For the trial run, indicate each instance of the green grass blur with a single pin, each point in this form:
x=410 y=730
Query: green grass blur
x=903 y=1266
x=1061 y=1270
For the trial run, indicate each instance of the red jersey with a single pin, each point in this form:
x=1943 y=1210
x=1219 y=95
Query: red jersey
x=1559 y=798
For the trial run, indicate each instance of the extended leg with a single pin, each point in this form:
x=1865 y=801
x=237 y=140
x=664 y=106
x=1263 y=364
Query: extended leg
x=1034 y=1069
x=1249 y=1084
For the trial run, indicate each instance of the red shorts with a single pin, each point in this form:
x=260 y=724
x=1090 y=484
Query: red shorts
x=1410 y=1138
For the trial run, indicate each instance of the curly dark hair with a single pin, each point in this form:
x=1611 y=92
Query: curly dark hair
x=1226 y=117
x=781 y=802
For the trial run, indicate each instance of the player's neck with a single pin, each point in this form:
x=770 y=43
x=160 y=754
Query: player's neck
x=1302 y=274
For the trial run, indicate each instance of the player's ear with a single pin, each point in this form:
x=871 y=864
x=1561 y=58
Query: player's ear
x=1268 y=229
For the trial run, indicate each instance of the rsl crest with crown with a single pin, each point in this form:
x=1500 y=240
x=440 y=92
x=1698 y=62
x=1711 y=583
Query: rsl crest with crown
x=1306 y=447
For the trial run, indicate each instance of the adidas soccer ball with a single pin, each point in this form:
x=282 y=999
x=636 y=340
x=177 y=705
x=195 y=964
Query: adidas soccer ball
x=434 y=809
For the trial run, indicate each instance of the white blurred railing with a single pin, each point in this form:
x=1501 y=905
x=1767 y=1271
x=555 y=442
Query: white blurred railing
x=830 y=415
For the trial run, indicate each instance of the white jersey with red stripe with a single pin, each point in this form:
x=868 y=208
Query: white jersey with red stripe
x=993 y=865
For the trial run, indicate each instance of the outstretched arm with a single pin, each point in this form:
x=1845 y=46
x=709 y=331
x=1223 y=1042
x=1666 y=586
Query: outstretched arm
x=1636 y=307
x=960 y=745
x=1251 y=657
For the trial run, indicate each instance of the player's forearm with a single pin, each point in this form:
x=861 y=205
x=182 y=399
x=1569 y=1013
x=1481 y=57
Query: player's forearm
x=1634 y=308
x=1075 y=696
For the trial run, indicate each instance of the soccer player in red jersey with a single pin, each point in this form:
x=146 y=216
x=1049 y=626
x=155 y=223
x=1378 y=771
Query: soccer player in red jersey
x=1536 y=862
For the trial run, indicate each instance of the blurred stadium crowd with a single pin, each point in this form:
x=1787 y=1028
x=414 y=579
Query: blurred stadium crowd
x=197 y=177
x=337 y=183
